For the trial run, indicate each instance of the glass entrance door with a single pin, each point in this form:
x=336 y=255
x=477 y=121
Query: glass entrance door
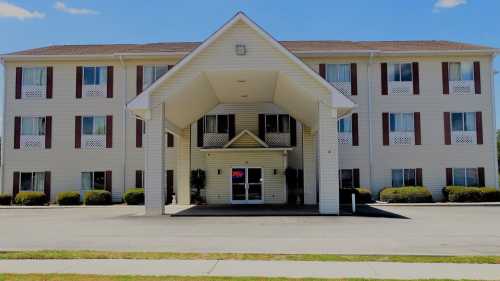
x=246 y=185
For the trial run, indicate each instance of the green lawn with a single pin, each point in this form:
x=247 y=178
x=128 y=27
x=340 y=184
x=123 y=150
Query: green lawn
x=75 y=277
x=48 y=254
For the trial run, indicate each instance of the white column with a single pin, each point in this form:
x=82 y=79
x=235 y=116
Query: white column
x=309 y=167
x=155 y=163
x=183 y=169
x=328 y=160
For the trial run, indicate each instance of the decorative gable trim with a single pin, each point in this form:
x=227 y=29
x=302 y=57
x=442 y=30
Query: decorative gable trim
x=246 y=132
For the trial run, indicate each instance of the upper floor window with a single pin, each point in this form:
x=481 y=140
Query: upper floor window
x=277 y=123
x=463 y=121
x=94 y=125
x=93 y=180
x=94 y=75
x=32 y=126
x=33 y=83
x=338 y=73
x=32 y=181
x=34 y=76
x=216 y=124
x=404 y=177
x=465 y=177
x=344 y=125
x=400 y=72
x=401 y=122
x=151 y=73
x=461 y=71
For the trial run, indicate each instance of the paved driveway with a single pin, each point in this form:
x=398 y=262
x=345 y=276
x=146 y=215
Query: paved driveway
x=425 y=230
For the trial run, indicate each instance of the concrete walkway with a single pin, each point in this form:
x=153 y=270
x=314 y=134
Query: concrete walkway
x=295 y=269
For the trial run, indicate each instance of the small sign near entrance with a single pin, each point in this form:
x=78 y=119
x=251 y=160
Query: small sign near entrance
x=238 y=174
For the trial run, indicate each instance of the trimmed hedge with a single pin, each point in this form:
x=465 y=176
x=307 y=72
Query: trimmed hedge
x=97 y=197
x=363 y=195
x=30 y=198
x=5 y=199
x=408 y=194
x=134 y=196
x=471 y=194
x=68 y=198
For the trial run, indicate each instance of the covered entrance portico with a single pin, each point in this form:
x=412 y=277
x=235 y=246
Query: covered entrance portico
x=240 y=64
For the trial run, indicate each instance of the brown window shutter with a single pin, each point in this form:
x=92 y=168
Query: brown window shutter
x=416 y=78
x=78 y=131
x=170 y=187
x=138 y=179
x=199 y=132
x=416 y=126
x=355 y=130
x=15 y=184
x=477 y=77
x=262 y=127
x=17 y=132
x=232 y=126
x=447 y=128
x=170 y=140
x=479 y=127
x=109 y=131
x=354 y=79
x=480 y=174
x=79 y=81
x=446 y=80
x=140 y=79
x=385 y=128
x=293 y=131
x=322 y=70
x=355 y=178
x=19 y=82
x=418 y=177
x=50 y=82
x=110 y=82
x=138 y=133
x=48 y=132
x=449 y=176
x=46 y=187
x=109 y=180
x=383 y=78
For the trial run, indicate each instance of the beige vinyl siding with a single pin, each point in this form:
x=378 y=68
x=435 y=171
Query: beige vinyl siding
x=219 y=186
x=246 y=141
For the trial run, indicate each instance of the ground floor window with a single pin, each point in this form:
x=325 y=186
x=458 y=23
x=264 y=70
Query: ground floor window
x=32 y=181
x=346 y=178
x=404 y=177
x=465 y=177
x=93 y=180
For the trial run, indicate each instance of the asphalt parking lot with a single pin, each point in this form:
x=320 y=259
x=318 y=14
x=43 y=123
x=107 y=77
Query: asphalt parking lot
x=470 y=230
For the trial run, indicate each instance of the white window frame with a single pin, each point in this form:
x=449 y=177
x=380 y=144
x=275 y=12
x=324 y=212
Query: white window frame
x=460 y=63
x=155 y=68
x=94 y=133
x=35 y=126
x=43 y=78
x=399 y=115
x=277 y=116
x=404 y=170
x=466 y=172
x=95 y=69
x=32 y=181
x=343 y=120
x=92 y=180
x=338 y=73
x=216 y=123
x=399 y=67
x=464 y=114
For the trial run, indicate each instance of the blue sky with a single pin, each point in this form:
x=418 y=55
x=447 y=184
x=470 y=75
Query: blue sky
x=35 y=23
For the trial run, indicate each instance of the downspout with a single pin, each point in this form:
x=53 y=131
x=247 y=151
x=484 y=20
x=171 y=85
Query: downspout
x=370 y=120
x=493 y=120
x=4 y=121
x=124 y=121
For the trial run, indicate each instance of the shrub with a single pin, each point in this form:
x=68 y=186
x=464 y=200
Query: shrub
x=5 y=199
x=134 y=196
x=471 y=194
x=68 y=198
x=408 y=194
x=97 y=197
x=363 y=195
x=30 y=198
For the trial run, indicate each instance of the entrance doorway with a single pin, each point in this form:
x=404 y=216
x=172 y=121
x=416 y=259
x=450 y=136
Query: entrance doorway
x=246 y=185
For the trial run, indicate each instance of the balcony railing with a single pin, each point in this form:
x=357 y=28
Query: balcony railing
x=343 y=87
x=401 y=138
x=32 y=142
x=94 y=90
x=463 y=137
x=94 y=141
x=463 y=87
x=345 y=137
x=215 y=139
x=400 y=88
x=278 y=139
x=34 y=91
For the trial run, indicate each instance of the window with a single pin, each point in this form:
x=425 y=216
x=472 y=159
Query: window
x=33 y=126
x=94 y=75
x=94 y=125
x=151 y=73
x=93 y=180
x=32 y=181
x=217 y=124
x=465 y=177
x=400 y=72
x=170 y=140
x=463 y=121
x=34 y=76
x=403 y=177
x=401 y=122
x=346 y=178
x=338 y=73
x=344 y=125
x=277 y=123
x=461 y=71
